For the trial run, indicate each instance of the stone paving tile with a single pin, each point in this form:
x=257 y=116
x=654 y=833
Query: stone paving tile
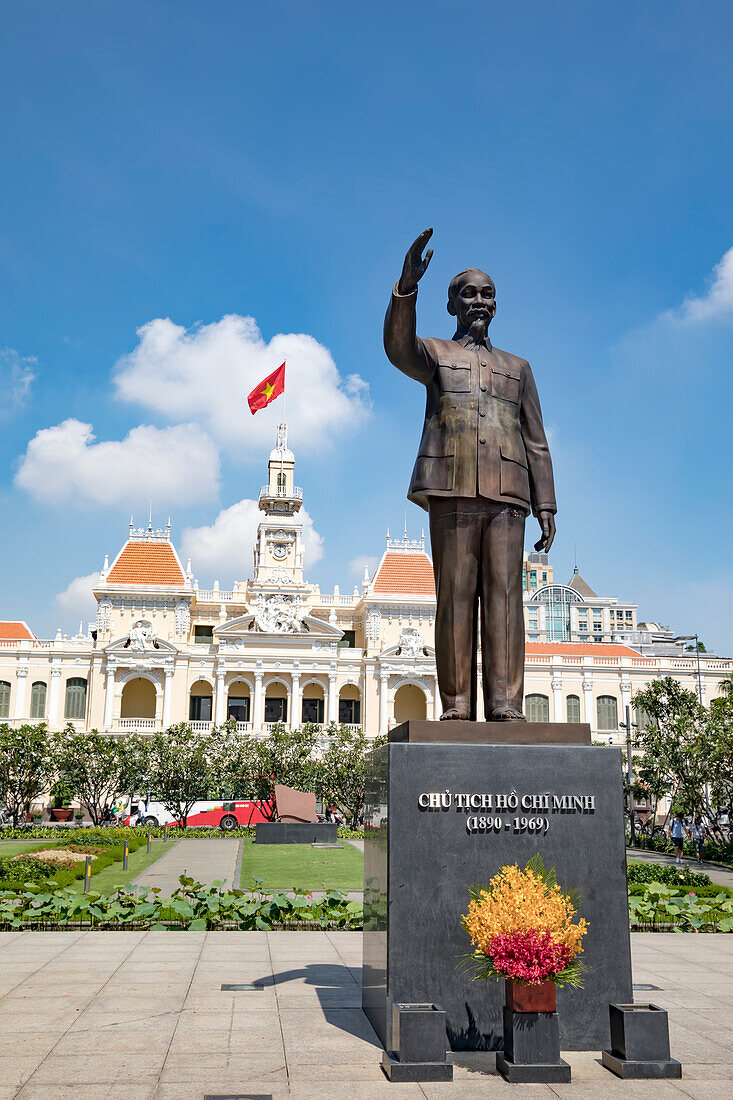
x=134 y=1091
x=89 y=1069
x=221 y=1070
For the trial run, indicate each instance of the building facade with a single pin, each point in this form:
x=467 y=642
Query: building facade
x=276 y=649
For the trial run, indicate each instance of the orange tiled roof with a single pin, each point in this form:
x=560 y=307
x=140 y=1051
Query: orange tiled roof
x=579 y=649
x=14 y=631
x=405 y=574
x=146 y=563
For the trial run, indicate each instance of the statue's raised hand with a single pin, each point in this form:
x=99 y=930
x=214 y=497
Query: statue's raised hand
x=415 y=264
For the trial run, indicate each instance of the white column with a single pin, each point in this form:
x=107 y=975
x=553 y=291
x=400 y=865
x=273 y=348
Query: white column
x=625 y=702
x=257 y=707
x=220 y=704
x=167 y=693
x=53 y=699
x=22 y=675
x=383 y=692
x=109 y=696
x=437 y=705
x=588 y=702
x=295 y=707
x=333 y=711
x=557 y=699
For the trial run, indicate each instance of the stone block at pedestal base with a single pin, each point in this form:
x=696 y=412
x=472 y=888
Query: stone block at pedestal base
x=398 y=1072
x=295 y=832
x=641 y=1070
x=531 y=1037
x=525 y=1073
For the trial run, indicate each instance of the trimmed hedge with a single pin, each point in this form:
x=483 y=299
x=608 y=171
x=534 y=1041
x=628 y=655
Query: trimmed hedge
x=119 y=832
x=667 y=873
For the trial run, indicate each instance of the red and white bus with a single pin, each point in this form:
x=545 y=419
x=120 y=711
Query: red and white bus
x=225 y=814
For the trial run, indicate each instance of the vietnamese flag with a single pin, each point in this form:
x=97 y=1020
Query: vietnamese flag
x=270 y=388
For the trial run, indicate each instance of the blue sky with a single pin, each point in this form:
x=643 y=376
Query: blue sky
x=170 y=169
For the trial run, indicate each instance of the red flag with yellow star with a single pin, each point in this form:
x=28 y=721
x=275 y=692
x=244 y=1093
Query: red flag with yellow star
x=270 y=388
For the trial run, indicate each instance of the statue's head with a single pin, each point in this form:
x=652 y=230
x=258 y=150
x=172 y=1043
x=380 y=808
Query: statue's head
x=472 y=301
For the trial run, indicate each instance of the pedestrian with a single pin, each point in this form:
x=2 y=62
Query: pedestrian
x=141 y=811
x=677 y=835
x=698 y=832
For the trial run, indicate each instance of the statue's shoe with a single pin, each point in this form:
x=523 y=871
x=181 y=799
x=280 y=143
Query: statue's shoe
x=506 y=714
x=453 y=714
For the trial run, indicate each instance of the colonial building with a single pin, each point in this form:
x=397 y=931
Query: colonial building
x=276 y=649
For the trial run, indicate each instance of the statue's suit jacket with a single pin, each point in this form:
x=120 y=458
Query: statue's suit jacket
x=483 y=434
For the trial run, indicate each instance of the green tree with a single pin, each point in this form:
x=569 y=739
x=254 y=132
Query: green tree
x=99 y=767
x=179 y=767
x=674 y=759
x=284 y=756
x=719 y=748
x=342 y=769
x=27 y=766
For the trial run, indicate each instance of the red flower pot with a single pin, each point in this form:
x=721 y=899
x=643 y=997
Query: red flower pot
x=61 y=814
x=530 y=998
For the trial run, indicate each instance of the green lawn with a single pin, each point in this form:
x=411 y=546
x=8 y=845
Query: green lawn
x=139 y=861
x=22 y=847
x=284 y=866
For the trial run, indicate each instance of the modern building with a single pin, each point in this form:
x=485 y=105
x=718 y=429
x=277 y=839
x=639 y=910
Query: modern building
x=275 y=648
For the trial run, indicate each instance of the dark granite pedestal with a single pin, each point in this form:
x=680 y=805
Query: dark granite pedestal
x=443 y=816
x=296 y=832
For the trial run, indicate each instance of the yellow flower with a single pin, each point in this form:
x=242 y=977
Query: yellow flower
x=519 y=901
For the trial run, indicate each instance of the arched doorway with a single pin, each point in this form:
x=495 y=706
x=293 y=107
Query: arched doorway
x=276 y=703
x=313 y=705
x=238 y=702
x=138 y=699
x=350 y=705
x=409 y=704
x=199 y=704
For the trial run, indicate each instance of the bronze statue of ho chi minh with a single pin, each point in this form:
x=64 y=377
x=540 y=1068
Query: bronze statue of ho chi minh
x=483 y=464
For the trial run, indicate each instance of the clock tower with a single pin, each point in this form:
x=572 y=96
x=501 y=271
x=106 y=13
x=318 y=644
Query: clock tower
x=278 y=552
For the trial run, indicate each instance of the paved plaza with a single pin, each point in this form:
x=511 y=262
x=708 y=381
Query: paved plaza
x=141 y=1015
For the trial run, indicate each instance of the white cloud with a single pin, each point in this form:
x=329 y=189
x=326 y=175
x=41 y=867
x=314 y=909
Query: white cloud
x=77 y=602
x=224 y=549
x=362 y=561
x=716 y=303
x=17 y=374
x=206 y=372
x=168 y=466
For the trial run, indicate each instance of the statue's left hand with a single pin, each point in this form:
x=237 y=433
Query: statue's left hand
x=547 y=523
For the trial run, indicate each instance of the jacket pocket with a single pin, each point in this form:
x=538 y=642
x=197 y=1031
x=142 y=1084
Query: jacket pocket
x=514 y=478
x=435 y=472
x=454 y=376
x=505 y=384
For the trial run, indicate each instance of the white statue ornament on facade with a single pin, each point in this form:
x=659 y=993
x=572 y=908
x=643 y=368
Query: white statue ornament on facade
x=141 y=637
x=278 y=615
x=183 y=619
x=412 y=643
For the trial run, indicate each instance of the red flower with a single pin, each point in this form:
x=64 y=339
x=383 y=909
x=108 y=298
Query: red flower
x=528 y=956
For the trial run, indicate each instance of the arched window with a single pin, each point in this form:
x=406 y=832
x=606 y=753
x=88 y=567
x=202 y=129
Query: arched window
x=200 y=707
x=4 y=699
x=38 y=701
x=281 y=482
x=573 y=707
x=409 y=704
x=607 y=713
x=537 y=708
x=76 y=698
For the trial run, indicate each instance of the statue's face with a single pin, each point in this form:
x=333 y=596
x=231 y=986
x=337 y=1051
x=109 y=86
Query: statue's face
x=473 y=303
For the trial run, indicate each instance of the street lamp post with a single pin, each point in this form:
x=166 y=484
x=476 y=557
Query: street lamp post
x=628 y=725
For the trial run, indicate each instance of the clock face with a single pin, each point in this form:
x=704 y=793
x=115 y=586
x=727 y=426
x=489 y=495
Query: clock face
x=279 y=551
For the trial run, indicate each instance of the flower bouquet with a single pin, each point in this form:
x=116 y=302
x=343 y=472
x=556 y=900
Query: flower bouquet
x=521 y=927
